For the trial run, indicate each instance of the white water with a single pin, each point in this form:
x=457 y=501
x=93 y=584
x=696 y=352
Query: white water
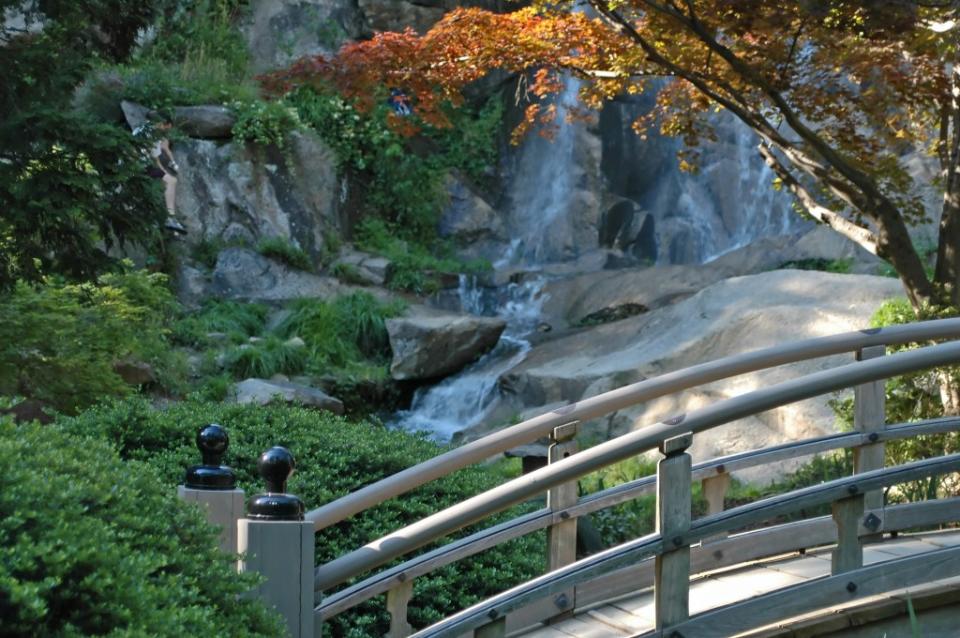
x=540 y=200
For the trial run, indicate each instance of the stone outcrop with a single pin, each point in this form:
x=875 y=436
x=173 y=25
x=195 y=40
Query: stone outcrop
x=233 y=193
x=241 y=273
x=262 y=392
x=280 y=31
x=436 y=345
x=731 y=316
x=208 y=121
x=467 y=217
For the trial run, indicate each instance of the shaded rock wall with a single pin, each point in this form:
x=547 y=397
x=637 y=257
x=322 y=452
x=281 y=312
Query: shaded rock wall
x=236 y=193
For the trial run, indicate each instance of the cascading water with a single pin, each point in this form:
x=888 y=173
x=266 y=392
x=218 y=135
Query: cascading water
x=727 y=205
x=539 y=200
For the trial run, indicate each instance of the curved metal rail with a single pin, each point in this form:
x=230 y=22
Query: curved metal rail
x=482 y=505
x=647 y=546
x=532 y=429
x=484 y=539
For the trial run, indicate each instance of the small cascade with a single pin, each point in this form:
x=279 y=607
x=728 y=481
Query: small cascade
x=540 y=204
x=467 y=398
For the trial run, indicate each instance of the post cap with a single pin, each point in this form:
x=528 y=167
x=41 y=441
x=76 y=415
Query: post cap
x=212 y=441
x=275 y=466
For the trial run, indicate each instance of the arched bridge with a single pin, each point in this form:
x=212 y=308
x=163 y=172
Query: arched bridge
x=691 y=577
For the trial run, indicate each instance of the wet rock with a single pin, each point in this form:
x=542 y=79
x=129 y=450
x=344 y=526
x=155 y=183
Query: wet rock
x=262 y=392
x=428 y=347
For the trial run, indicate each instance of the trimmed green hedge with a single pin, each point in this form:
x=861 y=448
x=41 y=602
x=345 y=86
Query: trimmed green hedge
x=91 y=545
x=335 y=456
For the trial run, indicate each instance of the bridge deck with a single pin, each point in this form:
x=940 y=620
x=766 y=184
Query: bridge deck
x=634 y=614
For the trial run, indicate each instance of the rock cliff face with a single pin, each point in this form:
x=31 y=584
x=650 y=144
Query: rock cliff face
x=234 y=193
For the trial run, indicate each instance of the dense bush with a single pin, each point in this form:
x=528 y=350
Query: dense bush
x=913 y=397
x=90 y=545
x=334 y=457
x=401 y=183
x=58 y=342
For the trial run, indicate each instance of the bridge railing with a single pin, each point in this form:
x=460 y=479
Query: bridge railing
x=566 y=466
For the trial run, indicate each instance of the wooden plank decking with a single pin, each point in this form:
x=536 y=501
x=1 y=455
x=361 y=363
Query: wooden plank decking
x=633 y=614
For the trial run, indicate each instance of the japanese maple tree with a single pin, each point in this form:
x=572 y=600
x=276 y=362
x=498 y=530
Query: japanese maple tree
x=837 y=92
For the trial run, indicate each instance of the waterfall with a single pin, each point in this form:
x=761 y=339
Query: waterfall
x=698 y=217
x=538 y=216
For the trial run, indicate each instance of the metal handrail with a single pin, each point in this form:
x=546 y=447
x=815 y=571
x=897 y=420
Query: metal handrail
x=593 y=407
x=652 y=544
x=382 y=581
x=639 y=441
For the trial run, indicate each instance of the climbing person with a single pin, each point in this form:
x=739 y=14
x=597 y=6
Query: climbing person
x=399 y=102
x=162 y=164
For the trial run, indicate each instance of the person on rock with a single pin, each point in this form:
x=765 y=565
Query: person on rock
x=164 y=167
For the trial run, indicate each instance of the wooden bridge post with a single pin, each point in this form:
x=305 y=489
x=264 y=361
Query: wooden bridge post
x=672 y=567
x=398 y=599
x=869 y=416
x=848 y=554
x=278 y=544
x=214 y=486
x=562 y=535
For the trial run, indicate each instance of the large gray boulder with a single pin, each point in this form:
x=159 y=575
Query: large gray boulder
x=428 y=347
x=207 y=121
x=241 y=273
x=262 y=392
x=280 y=31
x=467 y=217
x=235 y=193
x=731 y=316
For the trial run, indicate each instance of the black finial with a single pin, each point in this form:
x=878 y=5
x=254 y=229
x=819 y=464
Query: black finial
x=275 y=466
x=212 y=441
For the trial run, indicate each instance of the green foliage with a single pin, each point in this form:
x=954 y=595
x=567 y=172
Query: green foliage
x=238 y=321
x=58 y=342
x=90 y=545
x=334 y=457
x=402 y=187
x=265 y=122
x=285 y=252
x=913 y=397
x=265 y=358
x=840 y=266
x=343 y=333
x=69 y=186
x=415 y=267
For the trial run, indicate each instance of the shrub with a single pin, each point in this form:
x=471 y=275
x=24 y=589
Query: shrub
x=334 y=456
x=239 y=321
x=343 y=333
x=285 y=252
x=913 y=397
x=58 y=342
x=266 y=358
x=265 y=122
x=90 y=545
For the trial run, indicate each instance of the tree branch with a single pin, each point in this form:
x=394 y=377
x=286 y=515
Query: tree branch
x=857 y=234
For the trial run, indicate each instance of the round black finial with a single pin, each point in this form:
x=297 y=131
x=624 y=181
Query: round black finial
x=275 y=466
x=212 y=441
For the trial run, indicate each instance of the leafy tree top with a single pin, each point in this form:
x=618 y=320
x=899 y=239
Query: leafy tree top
x=836 y=91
